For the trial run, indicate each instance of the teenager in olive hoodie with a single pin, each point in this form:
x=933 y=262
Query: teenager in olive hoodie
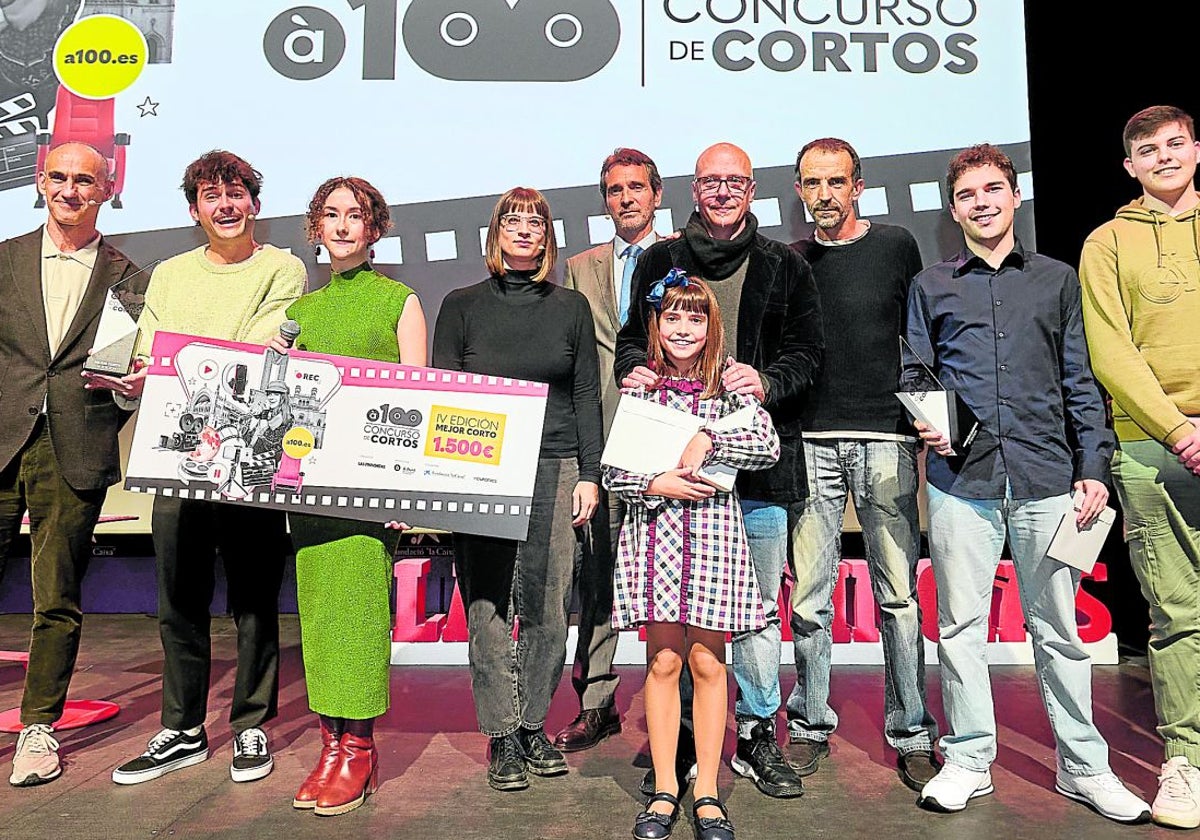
x=1141 y=307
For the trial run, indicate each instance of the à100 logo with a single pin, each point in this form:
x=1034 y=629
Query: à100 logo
x=496 y=41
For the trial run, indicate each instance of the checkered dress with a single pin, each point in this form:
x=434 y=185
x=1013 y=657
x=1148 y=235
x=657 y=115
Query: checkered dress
x=688 y=562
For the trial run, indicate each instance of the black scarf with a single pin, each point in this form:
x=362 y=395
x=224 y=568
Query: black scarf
x=719 y=258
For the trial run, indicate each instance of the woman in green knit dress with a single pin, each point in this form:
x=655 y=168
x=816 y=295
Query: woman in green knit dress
x=344 y=566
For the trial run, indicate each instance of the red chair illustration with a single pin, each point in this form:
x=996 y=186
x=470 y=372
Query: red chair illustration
x=79 y=120
x=288 y=474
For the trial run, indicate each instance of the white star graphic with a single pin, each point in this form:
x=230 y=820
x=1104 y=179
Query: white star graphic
x=149 y=108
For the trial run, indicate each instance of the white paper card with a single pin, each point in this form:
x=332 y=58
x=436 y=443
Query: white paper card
x=1080 y=549
x=648 y=438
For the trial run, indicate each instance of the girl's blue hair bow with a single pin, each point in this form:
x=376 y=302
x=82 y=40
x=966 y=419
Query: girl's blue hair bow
x=675 y=277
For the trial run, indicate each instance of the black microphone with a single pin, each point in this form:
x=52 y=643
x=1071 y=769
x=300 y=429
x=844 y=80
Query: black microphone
x=288 y=331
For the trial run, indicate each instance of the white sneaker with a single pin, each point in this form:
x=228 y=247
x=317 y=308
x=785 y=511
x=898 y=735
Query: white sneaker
x=1105 y=795
x=953 y=787
x=1178 y=801
x=35 y=761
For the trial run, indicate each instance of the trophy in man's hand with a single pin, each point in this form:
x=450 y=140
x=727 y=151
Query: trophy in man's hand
x=942 y=410
x=117 y=331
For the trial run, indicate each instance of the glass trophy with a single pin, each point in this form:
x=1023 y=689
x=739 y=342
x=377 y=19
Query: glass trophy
x=117 y=332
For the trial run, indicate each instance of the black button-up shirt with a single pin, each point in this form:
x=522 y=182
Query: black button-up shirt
x=1010 y=342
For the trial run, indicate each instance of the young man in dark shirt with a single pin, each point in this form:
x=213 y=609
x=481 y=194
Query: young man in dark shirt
x=857 y=442
x=1003 y=327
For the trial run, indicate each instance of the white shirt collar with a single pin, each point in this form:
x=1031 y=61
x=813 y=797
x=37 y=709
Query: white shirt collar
x=619 y=244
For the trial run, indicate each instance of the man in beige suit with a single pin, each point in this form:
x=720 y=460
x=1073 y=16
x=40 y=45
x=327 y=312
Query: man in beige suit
x=632 y=190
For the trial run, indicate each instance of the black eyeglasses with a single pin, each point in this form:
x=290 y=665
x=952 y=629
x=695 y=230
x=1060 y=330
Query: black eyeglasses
x=736 y=184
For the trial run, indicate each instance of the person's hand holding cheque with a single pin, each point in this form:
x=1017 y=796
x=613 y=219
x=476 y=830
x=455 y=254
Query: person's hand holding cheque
x=279 y=344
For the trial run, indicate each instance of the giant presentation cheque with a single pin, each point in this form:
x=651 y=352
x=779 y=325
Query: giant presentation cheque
x=336 y=436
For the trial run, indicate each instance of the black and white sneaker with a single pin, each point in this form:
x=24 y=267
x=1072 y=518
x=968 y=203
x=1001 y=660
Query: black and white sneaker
x=759 y=758
x=168 y=750
x=251 y=756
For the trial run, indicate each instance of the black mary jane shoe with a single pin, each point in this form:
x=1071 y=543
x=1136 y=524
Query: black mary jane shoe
x=712 y=828
x=651 y=825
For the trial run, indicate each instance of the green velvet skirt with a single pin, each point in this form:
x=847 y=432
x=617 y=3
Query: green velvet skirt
x=343 y=578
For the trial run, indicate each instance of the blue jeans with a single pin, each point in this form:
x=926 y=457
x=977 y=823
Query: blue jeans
x=756 y=653
x=524 y=583
x=882 y=477
x=966 y=537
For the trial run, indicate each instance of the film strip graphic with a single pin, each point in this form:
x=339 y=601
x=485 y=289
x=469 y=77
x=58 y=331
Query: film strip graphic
x=508 y=515
x=437 y=246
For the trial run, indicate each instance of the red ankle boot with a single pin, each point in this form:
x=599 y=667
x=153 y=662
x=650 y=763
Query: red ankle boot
x=327 y=764
x=355 y=776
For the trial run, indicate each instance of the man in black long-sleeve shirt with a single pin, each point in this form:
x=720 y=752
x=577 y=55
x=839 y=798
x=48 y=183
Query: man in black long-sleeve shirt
x=1003 y=327
x=857 y=442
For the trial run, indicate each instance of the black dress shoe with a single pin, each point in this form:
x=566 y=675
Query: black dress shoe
x=588 y=729
x=804 y=754
x=917 y=768
x=506 y=765
x=651 y=825
x=541 y=759
x=712 y=828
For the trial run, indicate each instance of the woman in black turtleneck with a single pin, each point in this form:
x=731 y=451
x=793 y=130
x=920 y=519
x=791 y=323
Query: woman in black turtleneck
x=518 y=324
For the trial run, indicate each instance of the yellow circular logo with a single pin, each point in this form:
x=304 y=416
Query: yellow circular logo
x=298 y=442
x=99 y=56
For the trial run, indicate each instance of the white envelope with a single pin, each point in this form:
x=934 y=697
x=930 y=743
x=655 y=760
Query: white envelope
x=1080 y=549
x=649 y=438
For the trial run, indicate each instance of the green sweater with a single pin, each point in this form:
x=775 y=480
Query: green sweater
x=1141 y=308
x=355 y=315
x=246 y=301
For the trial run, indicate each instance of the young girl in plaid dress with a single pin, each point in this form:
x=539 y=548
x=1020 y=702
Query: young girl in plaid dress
x=683 y=566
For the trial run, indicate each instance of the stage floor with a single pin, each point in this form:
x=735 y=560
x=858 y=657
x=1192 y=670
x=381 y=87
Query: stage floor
x=434 y=761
